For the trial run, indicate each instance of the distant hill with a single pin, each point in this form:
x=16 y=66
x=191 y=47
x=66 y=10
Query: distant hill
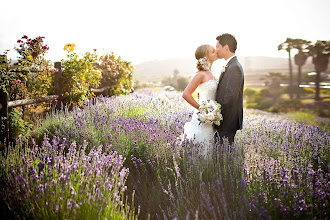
x=158 y=69
x=254 y=67
x=264 y=63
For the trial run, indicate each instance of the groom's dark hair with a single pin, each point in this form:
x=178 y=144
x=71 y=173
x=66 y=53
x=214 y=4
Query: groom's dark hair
x=228 y=39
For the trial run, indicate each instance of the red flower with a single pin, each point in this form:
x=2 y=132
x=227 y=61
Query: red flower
x=25 y=37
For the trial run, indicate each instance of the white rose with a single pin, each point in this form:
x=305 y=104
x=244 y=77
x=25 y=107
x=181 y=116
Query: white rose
x=202 y=118
x=209 y=116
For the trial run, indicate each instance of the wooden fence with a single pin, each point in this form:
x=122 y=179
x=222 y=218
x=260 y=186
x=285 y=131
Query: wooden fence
x=5 y=104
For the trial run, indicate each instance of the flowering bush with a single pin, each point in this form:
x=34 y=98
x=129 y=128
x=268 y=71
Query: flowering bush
x=17 y=89
x=35 y=73
x=40 y=83
x=51 y=182
x=11 y=83
x=31 y=51
x=6 y=78
x=79 y=75
x=92 y=71
x=116 y=73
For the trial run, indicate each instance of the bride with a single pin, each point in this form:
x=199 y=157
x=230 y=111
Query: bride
x=207 y=85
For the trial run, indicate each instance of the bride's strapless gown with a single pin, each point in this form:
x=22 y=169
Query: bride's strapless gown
x=203 y=132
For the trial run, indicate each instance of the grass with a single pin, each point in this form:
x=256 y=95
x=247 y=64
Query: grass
x=310 y=118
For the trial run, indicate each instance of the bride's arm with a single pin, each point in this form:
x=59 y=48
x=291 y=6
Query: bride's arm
x=191 y=87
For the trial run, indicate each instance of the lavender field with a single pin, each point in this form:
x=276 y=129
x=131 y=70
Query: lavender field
x=123 y=158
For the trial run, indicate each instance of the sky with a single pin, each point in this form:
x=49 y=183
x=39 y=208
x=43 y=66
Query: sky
x=145 y=30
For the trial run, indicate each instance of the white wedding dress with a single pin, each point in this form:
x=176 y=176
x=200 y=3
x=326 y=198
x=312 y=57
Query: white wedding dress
x=203 y=133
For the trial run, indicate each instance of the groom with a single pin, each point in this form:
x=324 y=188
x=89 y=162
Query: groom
x=230 y=90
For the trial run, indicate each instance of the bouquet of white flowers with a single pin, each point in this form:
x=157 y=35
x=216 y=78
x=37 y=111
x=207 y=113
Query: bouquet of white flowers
x=209 y=112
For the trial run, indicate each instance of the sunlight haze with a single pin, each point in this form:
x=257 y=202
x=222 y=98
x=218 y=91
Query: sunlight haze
x=141 y=31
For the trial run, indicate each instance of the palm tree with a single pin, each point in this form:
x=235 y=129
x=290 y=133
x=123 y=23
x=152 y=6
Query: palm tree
x=320 y=52
x=288 y=45
x=300 y=59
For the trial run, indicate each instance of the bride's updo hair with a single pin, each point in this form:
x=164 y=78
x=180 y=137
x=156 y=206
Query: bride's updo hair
x=201 y=52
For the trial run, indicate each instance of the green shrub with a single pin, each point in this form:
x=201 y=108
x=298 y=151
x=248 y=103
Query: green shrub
x=264 y=102
x=181 y=83
x=288 y=105
x=307 y=91
x=17 y=126
x=264 y=93
x=325 y=91
x=78 y=76
x=249 y=92
x=261 y=99
x=252 y=105
x=273 y=109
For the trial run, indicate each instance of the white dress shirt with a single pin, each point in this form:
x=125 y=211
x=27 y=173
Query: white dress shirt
x=225 y=66
x=230 y=59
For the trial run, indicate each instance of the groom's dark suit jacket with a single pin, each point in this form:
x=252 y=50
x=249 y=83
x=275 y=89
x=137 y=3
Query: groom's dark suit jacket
x=230 y=96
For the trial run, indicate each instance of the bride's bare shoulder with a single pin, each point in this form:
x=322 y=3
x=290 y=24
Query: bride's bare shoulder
x=201 y=73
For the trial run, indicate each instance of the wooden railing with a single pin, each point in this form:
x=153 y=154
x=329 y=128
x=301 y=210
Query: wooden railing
x=5 y=104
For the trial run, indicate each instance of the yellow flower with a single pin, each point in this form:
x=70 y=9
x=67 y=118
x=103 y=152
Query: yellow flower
x=70 y=47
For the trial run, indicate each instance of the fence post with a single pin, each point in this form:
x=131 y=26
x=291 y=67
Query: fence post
x=4 y=129
x=58 y=83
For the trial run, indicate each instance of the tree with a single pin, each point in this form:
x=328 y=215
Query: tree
x=175 y=73
x=182 y=83
x=300 y=59
x=320 y=52
x=175 y=78
x=288 y=45
x=273 y=81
